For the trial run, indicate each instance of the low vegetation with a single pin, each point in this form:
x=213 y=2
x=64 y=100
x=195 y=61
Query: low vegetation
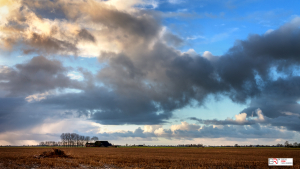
x=97 y=157
x=55 y=153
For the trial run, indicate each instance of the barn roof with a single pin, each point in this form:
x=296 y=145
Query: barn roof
x=103 y=143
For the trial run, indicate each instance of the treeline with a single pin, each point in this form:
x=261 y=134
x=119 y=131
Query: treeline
x=70 y=140
x=294 y=145
x=190 y=145
x=50 y=143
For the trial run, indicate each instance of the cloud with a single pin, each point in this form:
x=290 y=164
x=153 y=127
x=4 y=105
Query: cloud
x=49 y=128
x=269 y=31
x=143 y=77
x=181 y=131
x=48 y=131
x=109 y=107
x=195 y=37
x=274 y=103
x=151 y=128
x=16 y=114
x=36 y=97
x=185 y=126
x=85 y=35
x=291 y=114
x=260 y=115
x=120 y=5
x=38 y=30
x=44 y=44
x=24 y=29
x=39 y=75
x=288 y=122
x=254 y=58
x=172 y=39
x=240 y=119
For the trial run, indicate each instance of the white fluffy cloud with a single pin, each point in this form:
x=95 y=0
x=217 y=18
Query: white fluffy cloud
x=260 y=116
x=151 y=128
x=159 y=131
x=185 y=126
x=241 y=117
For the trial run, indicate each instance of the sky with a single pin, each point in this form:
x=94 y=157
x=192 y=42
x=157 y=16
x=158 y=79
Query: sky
x=155 y=72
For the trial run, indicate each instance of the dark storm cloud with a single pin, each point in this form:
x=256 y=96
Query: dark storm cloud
x=138 y=93
x=107 y=107
x=10 y=105
x=15 y=114
x=277 y=97
x=162 y=78
x=36 y=76
x=291 y=122
x=254 y=57
x=149 y=83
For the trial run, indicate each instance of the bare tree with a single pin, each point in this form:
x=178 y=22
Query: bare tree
x=63 y=138
x=286 y=144
x=94 y=138
x=81 y=138
x=73 y=138
x=77 y=139
x=68 y=138
x=87 y=139
x=295 y=144
x=60 y=143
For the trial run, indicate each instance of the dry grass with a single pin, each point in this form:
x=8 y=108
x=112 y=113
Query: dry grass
x=147 y=157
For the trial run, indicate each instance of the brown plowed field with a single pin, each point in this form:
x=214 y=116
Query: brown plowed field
x=146 y=157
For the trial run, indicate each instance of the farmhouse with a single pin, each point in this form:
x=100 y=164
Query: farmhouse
x=98 y=144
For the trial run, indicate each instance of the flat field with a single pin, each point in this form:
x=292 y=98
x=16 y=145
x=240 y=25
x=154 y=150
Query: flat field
x=157 y=158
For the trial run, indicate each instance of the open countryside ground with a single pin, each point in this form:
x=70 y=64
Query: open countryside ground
x=147 y=157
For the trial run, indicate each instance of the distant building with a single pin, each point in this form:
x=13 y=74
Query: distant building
x=99 y=144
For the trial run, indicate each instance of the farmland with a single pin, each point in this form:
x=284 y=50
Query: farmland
x=146 y=157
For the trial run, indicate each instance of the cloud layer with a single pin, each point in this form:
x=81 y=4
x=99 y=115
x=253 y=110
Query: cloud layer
x=143 y=78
